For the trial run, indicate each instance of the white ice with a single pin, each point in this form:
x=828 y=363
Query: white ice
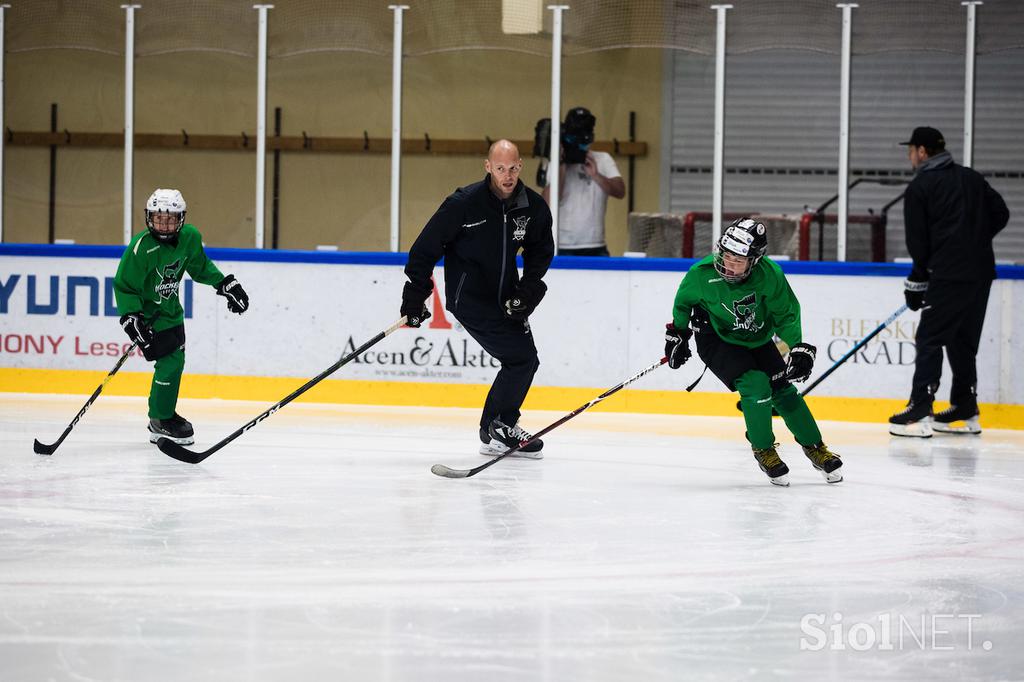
x=319 y=546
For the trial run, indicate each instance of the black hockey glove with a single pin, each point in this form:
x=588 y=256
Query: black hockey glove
x=677 y=345
x=913 y=292
x=137 y=329
x=414 y=305
x=800 y=362
x=231 y=289
x=525 y=299
x=415 y=319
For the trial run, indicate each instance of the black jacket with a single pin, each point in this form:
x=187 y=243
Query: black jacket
x=479 y=236
x=951 y=215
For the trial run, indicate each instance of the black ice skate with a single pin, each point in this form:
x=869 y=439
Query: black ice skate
x=957 y=419
x=914 y=421
x=770 y=462
x=501 y=437
x=825 y=461
x=176 y=429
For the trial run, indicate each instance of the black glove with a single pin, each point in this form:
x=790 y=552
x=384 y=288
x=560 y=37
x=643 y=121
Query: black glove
x=516 y=308
x=913 y=291
x=137 y=329
x=800 y=362
x=525 y=299
x=231 y=289
x=415 y=319
x=677 y=345
x=414 y=305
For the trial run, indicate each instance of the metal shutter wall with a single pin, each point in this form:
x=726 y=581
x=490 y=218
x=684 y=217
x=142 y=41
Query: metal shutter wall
x=782 y=120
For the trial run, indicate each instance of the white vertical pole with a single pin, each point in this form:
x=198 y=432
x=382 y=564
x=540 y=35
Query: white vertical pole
x=969 y=54
x=261 y=123
x=3 y=131
x=554 y=170
x=719 y=162
x=396 y=126
x=844 y=129
x=129 y=115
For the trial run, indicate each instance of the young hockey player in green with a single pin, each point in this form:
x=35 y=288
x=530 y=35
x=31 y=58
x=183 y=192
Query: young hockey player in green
x=734 y=301
x=146 y=289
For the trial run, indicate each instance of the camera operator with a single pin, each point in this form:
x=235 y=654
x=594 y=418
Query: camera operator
x=586 y=179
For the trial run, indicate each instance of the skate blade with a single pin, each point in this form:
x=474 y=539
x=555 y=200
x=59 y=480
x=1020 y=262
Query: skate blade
x=835 y=477
x=782 y=481
x=921 y=429
x=492 y=451
x=965 y=426
x=188 y=440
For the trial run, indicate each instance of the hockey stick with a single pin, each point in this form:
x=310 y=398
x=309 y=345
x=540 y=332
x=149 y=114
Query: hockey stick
x=856 y=347
x=172 y=449
x=448 y=472
x=877 y=330
x=43 y=448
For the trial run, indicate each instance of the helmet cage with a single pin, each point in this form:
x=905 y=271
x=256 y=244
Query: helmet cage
x=744 y=238
x=169 y=202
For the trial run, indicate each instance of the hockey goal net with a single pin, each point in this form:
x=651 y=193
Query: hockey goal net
x=865 y=237
x=672 y=235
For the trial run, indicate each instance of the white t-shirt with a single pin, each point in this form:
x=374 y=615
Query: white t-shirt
x=582 y=203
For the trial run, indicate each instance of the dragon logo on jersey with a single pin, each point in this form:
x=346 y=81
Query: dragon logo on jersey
x=745 y=312
x=170 y=277
x=519 y=234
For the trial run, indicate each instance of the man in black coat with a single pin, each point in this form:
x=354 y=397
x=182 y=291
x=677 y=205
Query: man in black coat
x=479 y=229
x=951 y=215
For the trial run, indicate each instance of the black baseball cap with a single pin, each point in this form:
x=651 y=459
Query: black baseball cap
x=926 y=137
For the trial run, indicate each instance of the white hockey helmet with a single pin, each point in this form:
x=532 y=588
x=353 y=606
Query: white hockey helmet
x=165 y=201
x=744 y=238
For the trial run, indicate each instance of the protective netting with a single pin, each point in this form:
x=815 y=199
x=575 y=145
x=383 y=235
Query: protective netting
x=431 y=26
x=303 y=26
x=195 y=26
x=64 y=24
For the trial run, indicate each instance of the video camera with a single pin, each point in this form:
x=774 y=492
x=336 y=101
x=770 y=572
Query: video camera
x=577 y=135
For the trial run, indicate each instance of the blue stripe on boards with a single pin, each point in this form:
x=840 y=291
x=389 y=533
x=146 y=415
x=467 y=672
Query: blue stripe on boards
x=679 y=265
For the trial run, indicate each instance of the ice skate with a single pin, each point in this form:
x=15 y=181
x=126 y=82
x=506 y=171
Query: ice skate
x=825 y=461
x=957 y=419
x=770 y=462
x=915 y=421
x=499 y=438
x=176 y=429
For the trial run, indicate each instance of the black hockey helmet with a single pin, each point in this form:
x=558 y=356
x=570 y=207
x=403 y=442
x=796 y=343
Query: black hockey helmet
x=745 y=238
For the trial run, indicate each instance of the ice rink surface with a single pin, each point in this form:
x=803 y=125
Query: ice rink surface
x=319 y=546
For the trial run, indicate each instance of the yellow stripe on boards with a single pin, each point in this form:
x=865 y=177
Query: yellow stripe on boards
x=558 y=399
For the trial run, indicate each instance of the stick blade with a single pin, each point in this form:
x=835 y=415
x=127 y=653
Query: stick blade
x=447 y=472
x=43 y=448
x=172 y=449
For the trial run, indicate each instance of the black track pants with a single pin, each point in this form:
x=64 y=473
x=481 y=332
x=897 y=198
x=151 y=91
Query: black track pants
x=511 y=343
x=952 y=319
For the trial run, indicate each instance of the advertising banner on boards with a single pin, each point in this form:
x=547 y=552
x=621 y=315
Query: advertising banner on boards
x=594 y=327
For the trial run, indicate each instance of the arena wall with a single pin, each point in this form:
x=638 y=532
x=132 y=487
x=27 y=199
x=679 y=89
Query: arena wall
x=326 y=198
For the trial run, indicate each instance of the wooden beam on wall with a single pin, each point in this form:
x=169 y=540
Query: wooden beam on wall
x=246 y=142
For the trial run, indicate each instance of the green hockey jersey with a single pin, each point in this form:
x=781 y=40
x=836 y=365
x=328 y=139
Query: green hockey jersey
x=747 y=313
x=150 y=273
